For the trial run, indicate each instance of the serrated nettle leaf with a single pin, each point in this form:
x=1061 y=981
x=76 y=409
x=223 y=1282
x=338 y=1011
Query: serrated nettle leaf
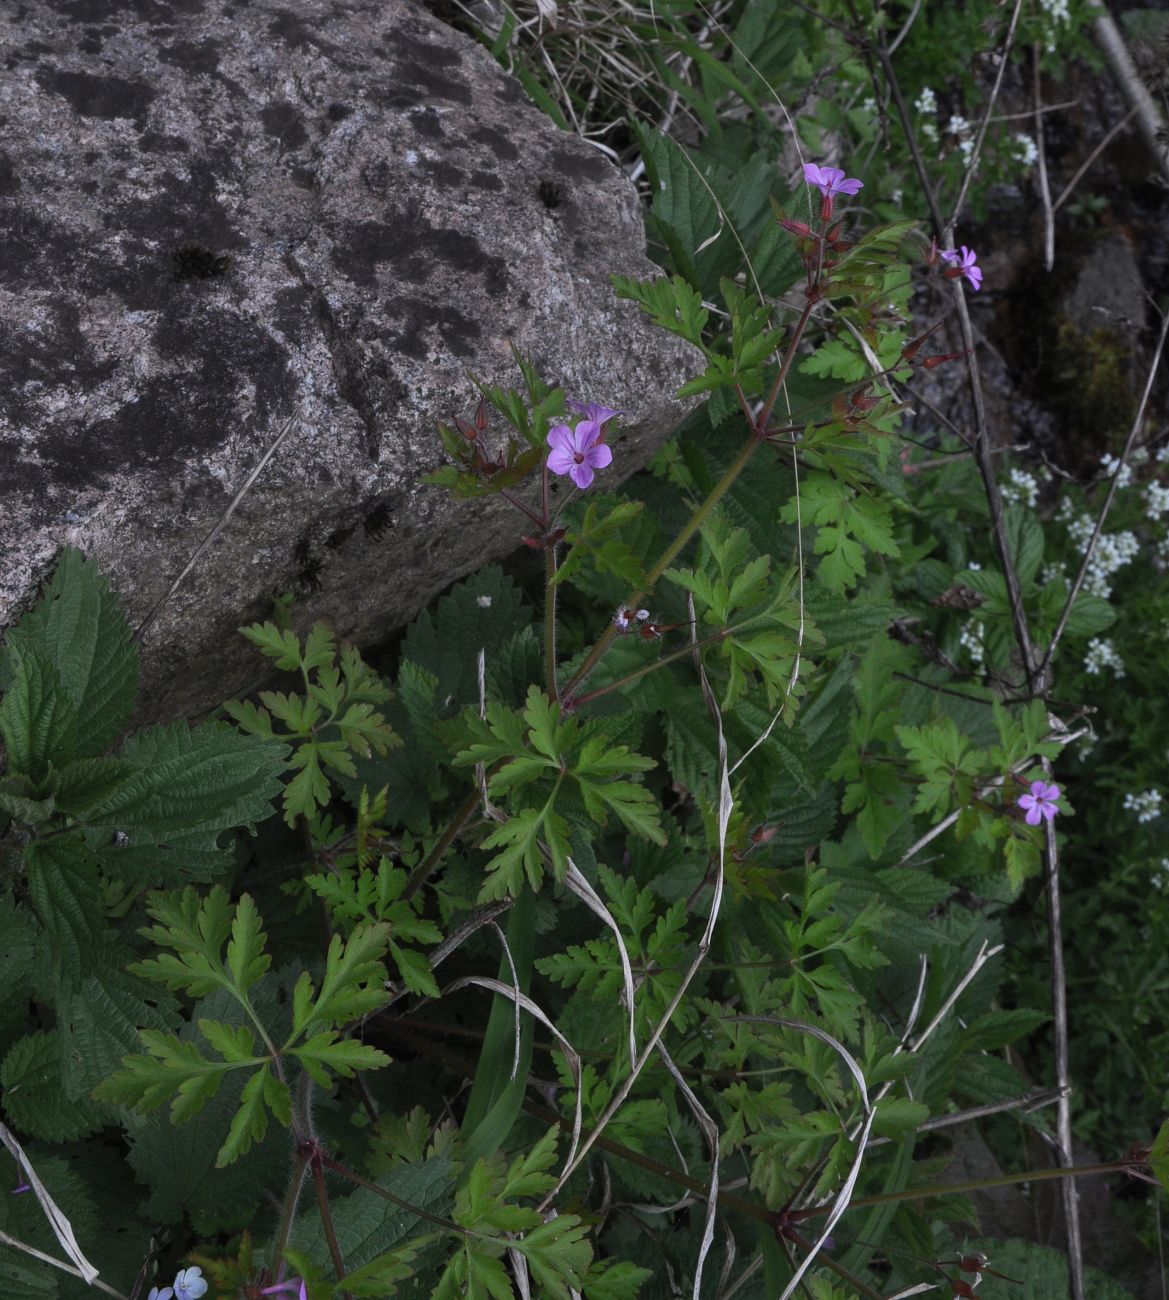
x=35 y=1099
x=79 y=628
x=38 y=720
x=62 y=880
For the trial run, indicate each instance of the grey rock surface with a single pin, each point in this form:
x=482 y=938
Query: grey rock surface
x=217 y=215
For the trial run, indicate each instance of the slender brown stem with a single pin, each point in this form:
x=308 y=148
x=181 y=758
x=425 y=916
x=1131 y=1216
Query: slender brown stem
x=327 y=1219
x=462 y=816
x=291 y=1200
x=576 y=702
x=550 y=622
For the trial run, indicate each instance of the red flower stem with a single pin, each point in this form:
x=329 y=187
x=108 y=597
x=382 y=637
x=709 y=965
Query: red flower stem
x=291 y=1200
x=519 y=505
x=550 y=622
x=327 y=1219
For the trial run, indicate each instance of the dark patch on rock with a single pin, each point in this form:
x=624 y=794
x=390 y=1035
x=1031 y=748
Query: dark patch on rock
x=200 y=57
x=294 y=312
x=282 y=121
x=56 y=354
x=460 y=333
x=157 y=142
x=308 y=566
x=444 y=172
x=415 y=246
x=101 y=97
x=338 y=112
x=579 y=165
x=409 y=38
x=9 y=181
x=90 y=44
x=425 y=68
x=31 y=245
x=304 y=177
x=184 y=209
x=379 y=519
x=510 y=92
x=497 y=141
x=549 y=194
x=369 y=244
x=298 y=34
x=339 y=536
x=194 y=262
x=483 y=180
x=427 y=123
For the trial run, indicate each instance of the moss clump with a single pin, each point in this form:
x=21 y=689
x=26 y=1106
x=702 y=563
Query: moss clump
x=1093 y=389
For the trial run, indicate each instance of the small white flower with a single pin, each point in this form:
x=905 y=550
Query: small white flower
x=1157 y=501
x=1026 y=150
x=927 y=102
x=1102 y=654
x=1023 y=487
x=1146 y=805
x=970 y=639
x=1109 y=465
x=957 y=125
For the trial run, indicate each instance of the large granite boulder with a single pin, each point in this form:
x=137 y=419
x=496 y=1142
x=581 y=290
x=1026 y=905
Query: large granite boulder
x=219 y=214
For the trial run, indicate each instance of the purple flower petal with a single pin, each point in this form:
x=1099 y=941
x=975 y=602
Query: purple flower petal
x=560 y=437
x=561 y=460
x=599 y=456
x=587 y=433
x=581 y=475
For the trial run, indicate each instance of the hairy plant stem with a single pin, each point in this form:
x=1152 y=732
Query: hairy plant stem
x=291 y=1199
x=550 y=622
x=327 y=1217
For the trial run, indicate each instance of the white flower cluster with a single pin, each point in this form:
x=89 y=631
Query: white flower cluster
x=1146 y=805
x=927 y=102
x=1057 y=14
x=1161 y=875
x=1109 y=465
x=1113 y=550
x=1157 y=501
x=1023 y=487
x=1053 y=572
x=1102 y=654
x=957 y=125
x=869 y=106
x=1161 y=455
x=970 y=639
x=1026 y=150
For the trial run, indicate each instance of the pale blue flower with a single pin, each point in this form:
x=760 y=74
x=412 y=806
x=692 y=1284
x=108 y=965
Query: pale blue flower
x=189 y=1284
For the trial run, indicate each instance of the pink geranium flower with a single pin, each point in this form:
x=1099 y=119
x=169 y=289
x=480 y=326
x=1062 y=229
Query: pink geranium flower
x=578 y=452
x=831 y=180
x=593 y=410
x=965 y=265
x=1041 y=801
